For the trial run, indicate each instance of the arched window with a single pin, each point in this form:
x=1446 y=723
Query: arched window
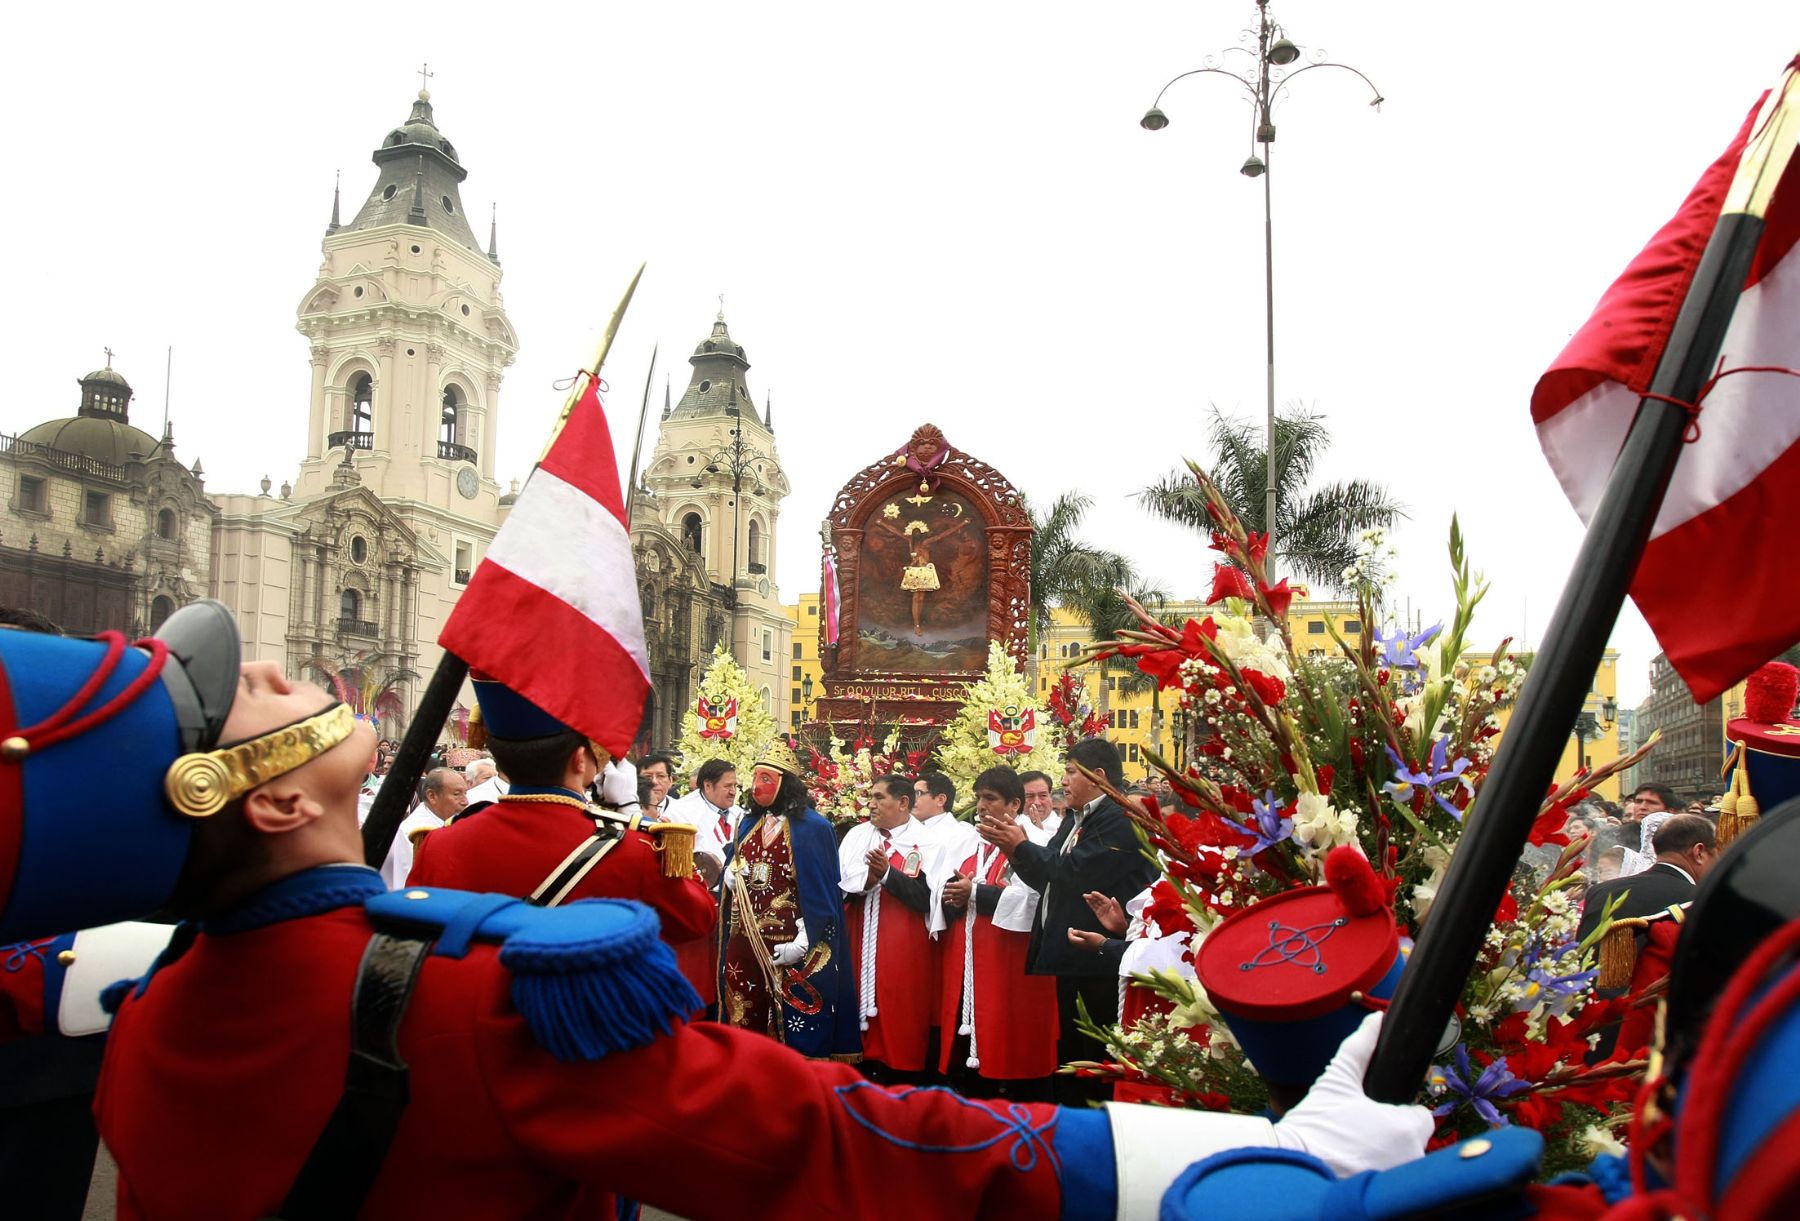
x=756 y=556
x=161 y=607
x=362 y=408
x=350 y=606
x=450 y=420
x=165 y=523
x=690 y=532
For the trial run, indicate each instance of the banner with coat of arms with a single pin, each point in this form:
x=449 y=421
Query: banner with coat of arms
x=1012 y=730
x=718 y=718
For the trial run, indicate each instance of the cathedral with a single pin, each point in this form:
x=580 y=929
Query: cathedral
x=703 y=533
x=347 y=573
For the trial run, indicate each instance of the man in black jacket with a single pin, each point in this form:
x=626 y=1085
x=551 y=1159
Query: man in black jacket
x=1095 y=850
x=1684 y=850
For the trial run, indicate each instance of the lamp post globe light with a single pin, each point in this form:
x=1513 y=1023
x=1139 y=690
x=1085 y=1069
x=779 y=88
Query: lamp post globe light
x=1265 y=82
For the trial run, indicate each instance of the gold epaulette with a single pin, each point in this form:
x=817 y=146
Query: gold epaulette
x=1618 y=950
x=675 y=844
x=418 y=833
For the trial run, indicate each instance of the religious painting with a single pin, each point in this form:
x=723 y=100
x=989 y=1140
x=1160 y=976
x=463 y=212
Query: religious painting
x=923 y=585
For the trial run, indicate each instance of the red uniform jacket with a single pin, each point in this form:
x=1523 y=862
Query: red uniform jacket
x=1015 y=1013
x=221 y=1074
x=512 y=846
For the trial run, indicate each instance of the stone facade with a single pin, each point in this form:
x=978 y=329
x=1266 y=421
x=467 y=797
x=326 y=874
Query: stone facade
x=104 y=528
x=703 y=527
x=1693 y=745
x=348 y=576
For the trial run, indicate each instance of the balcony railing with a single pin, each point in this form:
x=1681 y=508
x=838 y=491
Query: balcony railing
x=462 y=576
x=355 y=440
x=80 y=464
x=450 y=451
x=358 y=627
x=757 y=567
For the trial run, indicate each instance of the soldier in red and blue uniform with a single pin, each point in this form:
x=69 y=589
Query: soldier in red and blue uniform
x=312 y=1045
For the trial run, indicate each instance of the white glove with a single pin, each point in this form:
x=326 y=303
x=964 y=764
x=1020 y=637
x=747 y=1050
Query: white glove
x=788 y=953
x=618 y=784
x=1341 y=1126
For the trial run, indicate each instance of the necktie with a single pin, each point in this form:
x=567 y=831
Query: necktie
x=724 y=828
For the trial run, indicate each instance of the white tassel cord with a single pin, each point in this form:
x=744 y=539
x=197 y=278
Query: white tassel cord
x=982 y=864
x=870 y=932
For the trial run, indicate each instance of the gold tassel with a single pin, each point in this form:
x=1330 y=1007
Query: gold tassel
x=478 y=736
x=1749 y=813
x=675 y=843
x=1618 y=954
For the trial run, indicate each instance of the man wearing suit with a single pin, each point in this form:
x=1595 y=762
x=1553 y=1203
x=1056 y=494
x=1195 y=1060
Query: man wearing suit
x=1684 y=852
x=1095 y=850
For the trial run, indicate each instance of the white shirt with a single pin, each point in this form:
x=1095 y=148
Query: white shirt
x=491 y=789
x=907 y=838
x=702 y=815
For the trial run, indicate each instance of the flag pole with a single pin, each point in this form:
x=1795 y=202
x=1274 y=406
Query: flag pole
x=637 y=447
x=395 y=794
x=1497 y=826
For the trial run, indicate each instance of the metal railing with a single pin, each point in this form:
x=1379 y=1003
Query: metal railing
x=358 y=627
x=355 y=440
x=81 y=464
x=450 y=451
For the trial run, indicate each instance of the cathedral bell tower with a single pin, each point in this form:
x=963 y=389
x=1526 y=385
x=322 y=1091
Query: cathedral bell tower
x=706 y=516
x=409 y=337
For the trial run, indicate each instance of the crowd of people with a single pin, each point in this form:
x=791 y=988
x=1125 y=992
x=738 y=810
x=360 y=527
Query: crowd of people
x=514 y=1052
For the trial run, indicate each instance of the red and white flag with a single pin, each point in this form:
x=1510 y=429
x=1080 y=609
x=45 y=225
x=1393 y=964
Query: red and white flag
x=553 y=610
x=1718 y=582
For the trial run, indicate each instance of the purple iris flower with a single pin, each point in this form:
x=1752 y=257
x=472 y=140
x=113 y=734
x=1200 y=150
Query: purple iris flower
x=1542 y=970
x=1437 y=771
x=1399 y=651
x=1460 y=1082
x=1270 y=827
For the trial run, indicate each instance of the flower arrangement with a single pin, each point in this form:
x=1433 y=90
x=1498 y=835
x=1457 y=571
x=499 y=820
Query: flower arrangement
x=839 y=777
x=727 y=686
x=968 y=746
x=1069 y=706
x=1383 y=746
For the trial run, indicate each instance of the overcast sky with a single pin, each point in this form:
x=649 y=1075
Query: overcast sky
x=934 y=211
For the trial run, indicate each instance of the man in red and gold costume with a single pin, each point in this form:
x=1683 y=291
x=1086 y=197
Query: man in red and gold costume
x=784 y=965
x=545 y=841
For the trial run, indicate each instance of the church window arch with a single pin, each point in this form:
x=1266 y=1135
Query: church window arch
x=350 y=606
x=161 y=607
x=450 y=431
x=362 y=409
x=691 y=536
x=755 y=546
x=165 y=524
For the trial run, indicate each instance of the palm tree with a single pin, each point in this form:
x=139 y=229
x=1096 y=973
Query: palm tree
x=1316 y=530
x=1064 y=570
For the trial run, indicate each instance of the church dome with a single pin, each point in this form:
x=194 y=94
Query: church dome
x=104 y=440
x=419 y=128
x=109 y=376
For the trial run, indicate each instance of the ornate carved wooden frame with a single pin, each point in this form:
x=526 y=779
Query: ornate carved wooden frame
x=1008 y=529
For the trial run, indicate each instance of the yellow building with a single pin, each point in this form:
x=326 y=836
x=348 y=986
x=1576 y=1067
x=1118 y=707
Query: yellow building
x=1138 y=719
x=1600 y=735
x=805 y=673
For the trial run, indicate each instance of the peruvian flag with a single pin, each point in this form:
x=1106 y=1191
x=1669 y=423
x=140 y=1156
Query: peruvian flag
x=553 y=609
x=1717 y=583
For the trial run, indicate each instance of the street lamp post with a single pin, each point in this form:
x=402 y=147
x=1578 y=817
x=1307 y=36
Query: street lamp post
x=1274 y=52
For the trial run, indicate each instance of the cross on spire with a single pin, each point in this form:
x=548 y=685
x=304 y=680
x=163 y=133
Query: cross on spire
x=425 y=75
x=721 y=307
x=109 y=356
